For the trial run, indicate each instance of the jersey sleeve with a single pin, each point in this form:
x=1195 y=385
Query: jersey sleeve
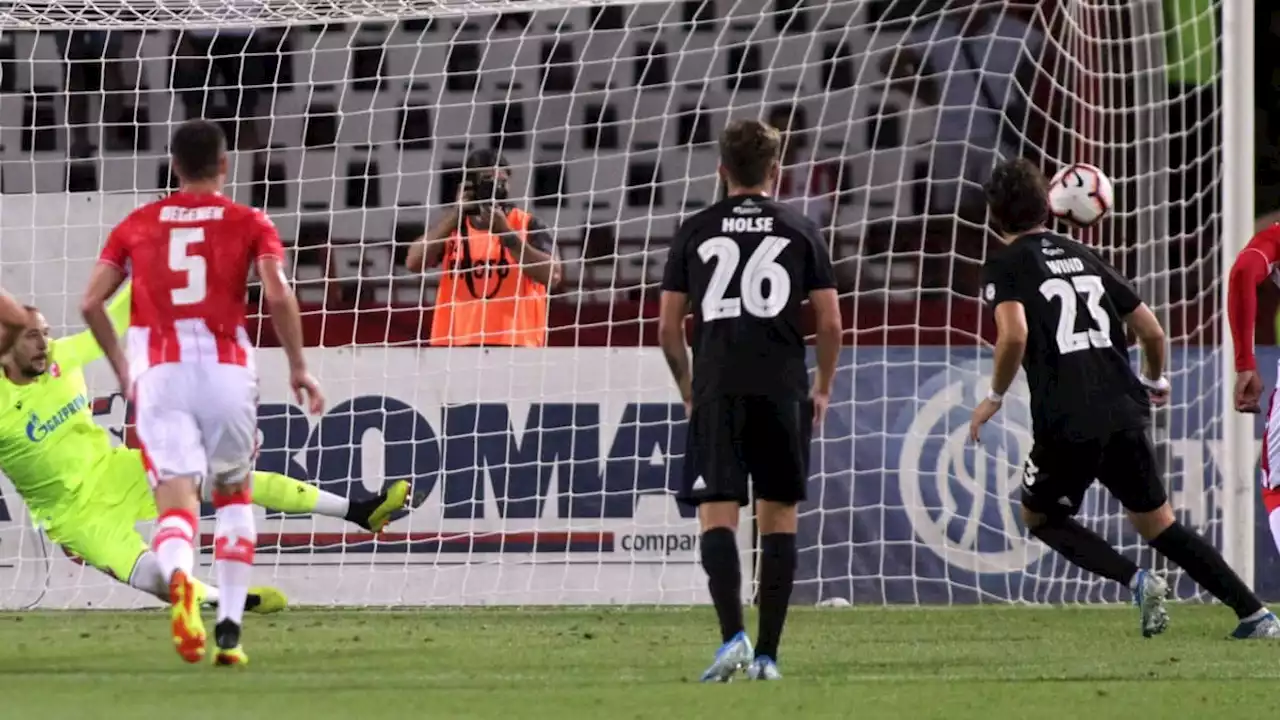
x=265 y=238
x=675 y=276
x=819 y=274
x=116 y=250
x=1251 y=268
x=81 y=349
x=999 y=281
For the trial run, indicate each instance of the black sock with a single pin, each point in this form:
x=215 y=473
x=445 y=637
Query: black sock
x=1205 y=565
x=1085 y=549
x=358 y=511
x=724 y=578
x=777 y=575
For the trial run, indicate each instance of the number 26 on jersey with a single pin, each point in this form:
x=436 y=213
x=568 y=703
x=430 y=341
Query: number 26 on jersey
x=765 y=285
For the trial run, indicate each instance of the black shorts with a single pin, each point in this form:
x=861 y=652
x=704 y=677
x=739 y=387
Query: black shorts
x=733 y=438
x=1059 y=472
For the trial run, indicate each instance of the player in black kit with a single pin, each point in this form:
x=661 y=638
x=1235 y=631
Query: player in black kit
x=1061 y=311
x=746 y=264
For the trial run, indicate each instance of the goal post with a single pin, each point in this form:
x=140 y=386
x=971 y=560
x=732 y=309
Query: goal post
x=546 y=475
x=1240 y=449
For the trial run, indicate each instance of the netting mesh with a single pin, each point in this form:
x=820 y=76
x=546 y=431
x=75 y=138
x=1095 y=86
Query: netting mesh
x=349 y=123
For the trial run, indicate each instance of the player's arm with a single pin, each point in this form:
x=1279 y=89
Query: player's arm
x=1011 y=345
x=1251 y=268
x=533 y=253
x=428 y=250
x=671 y=311
x=1143 y=323
x=1000 y=291
x=282 y=306
x=1146 y=326
x=13 y=318
x=820 y=285
x=81 y=349
x=106 y=278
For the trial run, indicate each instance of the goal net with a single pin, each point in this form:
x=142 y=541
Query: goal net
x=545 y=475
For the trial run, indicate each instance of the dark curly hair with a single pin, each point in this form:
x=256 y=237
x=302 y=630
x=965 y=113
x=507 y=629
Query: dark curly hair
x=1018 y=196
x=748 y=148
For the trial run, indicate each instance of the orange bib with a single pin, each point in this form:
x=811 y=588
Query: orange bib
x=484 y=298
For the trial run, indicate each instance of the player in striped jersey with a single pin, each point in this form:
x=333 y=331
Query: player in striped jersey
x=190 y=370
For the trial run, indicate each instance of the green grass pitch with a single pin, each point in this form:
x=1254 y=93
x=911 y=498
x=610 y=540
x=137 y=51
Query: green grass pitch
x=605 y=664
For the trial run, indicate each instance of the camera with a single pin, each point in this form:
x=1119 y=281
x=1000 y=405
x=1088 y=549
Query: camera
x=485 y=189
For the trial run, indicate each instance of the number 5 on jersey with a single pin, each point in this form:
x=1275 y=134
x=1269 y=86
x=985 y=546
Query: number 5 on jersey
x=182 y=261
x=761 y=267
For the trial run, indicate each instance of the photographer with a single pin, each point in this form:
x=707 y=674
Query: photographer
x=498 y=264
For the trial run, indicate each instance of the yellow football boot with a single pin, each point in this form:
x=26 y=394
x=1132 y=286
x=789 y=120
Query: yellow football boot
x=231 y=657
x=377 y=513
x=265 y=600
x=184 y=615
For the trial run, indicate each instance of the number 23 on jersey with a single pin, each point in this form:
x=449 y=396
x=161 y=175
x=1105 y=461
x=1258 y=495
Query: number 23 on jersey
x=1068 y=295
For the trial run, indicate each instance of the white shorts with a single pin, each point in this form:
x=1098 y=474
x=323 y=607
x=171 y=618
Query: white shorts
x=197 y=420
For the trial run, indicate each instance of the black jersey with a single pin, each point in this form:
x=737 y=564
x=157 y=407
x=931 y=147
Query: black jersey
x=1077 y=363
x=747 y=263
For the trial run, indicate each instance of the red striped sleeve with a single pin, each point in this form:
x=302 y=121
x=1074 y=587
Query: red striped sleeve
x=1251 y=268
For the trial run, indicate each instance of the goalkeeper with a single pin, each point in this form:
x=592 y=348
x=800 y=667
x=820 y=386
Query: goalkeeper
x=87 y=495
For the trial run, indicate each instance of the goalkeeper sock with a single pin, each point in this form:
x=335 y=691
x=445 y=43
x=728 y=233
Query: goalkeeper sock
x=173 y=543
x=282 y=493
x=777 y=575
x=234 y=539
x=1085 y=549
x=1205 y=565
x=147 y=576
x=724 y=578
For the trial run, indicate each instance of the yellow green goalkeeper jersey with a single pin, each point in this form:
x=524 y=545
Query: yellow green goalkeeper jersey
x=49 y=441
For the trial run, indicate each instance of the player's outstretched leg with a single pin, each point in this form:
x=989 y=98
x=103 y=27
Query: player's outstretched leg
x=777 y=576
x=284 y=494
x=148 y=578
x=1205 y=565
x=1089 y=551
x=234 y=540
x=719 y=546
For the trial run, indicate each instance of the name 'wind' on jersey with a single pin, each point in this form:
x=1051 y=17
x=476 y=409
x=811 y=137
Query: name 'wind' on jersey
x=1077 y=363
x=747 y=264
x=190 y=255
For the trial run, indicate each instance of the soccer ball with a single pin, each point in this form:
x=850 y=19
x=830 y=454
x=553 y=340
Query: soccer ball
x=1080 y=194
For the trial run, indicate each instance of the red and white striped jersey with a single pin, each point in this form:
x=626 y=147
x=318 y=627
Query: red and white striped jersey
x=190 y=257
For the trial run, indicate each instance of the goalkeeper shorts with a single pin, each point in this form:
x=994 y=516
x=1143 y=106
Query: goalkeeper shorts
x=100 y=528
